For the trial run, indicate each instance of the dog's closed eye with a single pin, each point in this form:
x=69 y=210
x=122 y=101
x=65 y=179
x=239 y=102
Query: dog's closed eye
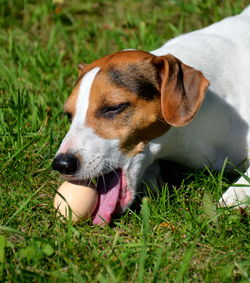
x=109 y=112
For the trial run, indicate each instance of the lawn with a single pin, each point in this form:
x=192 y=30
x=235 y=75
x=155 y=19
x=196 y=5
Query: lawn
x=176 y=236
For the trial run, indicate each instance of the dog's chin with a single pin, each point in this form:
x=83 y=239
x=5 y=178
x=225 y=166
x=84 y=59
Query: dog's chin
x=114 y=195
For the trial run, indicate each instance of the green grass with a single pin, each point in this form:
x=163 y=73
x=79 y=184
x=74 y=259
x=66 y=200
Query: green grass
x=177 y=236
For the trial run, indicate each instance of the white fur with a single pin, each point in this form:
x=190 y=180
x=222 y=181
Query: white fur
x=236 y=196
x=83 y=99
x=97 y=155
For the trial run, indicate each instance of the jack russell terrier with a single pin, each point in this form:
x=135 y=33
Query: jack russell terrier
x=188 y=102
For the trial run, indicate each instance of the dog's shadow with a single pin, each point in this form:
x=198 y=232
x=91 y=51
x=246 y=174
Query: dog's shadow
x=176 y=176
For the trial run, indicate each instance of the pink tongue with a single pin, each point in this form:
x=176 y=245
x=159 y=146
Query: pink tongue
x=108 y=197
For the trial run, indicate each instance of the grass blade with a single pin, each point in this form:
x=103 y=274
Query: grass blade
x=24 y=205
x=145 y=231
x=184 y=265
x=2 y=254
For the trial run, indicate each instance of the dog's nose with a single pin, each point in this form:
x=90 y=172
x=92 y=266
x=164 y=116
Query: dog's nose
x=66 y=163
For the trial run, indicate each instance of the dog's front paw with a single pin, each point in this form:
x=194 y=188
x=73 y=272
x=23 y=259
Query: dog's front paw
x=235 y=196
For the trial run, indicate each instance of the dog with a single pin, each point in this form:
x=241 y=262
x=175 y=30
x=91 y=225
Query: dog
x=186 y=102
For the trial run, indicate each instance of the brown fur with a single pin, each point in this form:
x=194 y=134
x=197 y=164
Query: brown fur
x=70 y=104
x=159 y=91
x=142 y=120
x=182 y=90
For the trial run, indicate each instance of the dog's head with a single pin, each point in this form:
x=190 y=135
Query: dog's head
x=120 y=104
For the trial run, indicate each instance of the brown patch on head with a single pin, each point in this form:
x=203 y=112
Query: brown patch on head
x=140 y=79
x=138 y=121
x=125 y=101
x=136 y=97
x=70 y=104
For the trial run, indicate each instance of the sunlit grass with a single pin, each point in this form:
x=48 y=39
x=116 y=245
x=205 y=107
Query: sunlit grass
x=178 y=235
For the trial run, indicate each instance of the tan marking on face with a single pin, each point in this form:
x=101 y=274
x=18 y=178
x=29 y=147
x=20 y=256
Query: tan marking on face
x=140 y=122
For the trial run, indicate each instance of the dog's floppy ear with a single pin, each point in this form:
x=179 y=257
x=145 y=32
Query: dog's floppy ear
x=182 y=90
x=81 y=68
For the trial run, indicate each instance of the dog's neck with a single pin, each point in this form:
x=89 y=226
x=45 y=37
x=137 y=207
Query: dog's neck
x=197 y=143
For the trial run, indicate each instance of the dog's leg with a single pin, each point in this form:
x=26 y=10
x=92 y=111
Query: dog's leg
x=237 y=196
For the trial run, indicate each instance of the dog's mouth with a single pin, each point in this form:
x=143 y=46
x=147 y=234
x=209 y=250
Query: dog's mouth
x=113 y=196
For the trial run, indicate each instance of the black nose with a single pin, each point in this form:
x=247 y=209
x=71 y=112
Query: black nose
x=66 y=163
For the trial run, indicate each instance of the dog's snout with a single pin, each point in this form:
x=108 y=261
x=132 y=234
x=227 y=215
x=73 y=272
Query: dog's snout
x=66 y=163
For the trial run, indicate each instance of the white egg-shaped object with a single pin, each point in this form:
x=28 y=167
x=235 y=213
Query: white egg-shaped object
x=80 y=198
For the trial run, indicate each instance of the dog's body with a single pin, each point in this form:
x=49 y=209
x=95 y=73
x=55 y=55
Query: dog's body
x=221 y=128
x=133 y=108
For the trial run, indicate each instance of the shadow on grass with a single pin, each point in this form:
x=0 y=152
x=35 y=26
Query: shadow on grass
x=180 y=178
